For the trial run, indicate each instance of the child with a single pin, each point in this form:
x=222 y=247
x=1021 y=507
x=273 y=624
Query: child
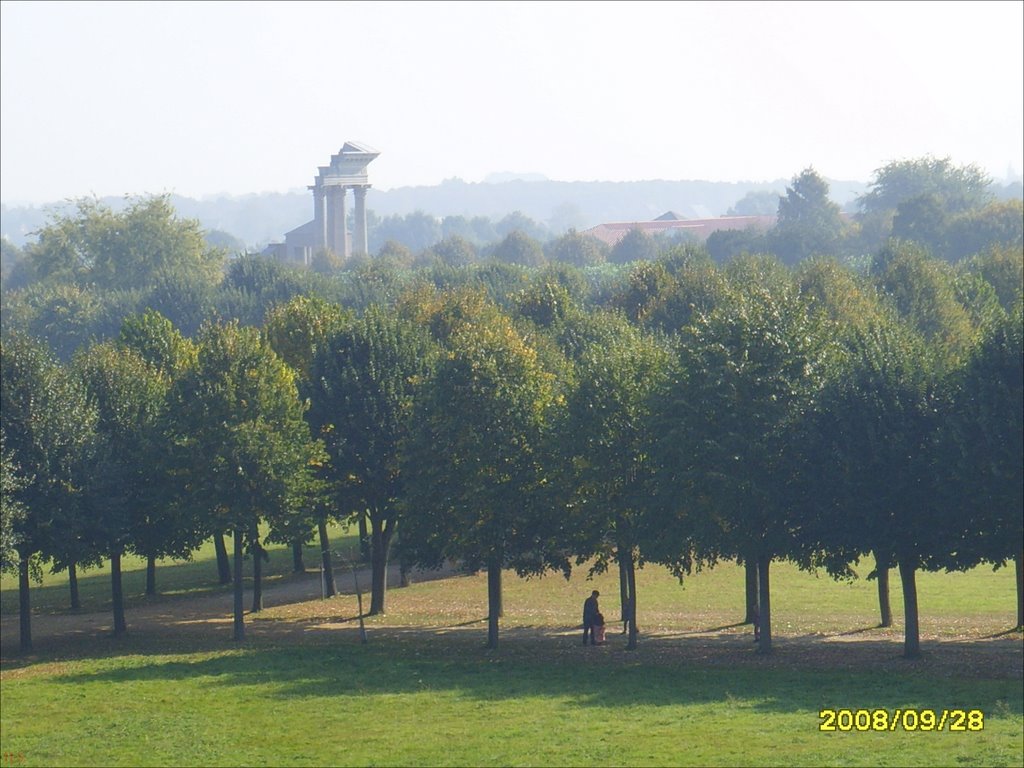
x=599 y=629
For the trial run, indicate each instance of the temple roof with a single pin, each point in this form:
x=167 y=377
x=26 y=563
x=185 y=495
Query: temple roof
x=348 y=166
x=356 y=147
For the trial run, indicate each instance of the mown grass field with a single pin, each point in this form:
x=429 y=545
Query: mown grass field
x=303 y=690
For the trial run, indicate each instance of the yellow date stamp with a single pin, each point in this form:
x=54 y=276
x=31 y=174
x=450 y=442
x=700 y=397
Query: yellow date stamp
x=926 y=720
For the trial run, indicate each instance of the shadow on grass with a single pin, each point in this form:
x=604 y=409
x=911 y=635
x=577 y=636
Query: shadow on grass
x=862 y=630
x=1006 y=633
x=596 y=677
x=719 y=629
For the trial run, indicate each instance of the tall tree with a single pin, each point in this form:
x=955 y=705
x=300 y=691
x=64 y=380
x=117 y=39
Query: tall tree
x=127 y=509
x=873 y=462
x=985 y=438
x=853 y=304
x=48 y=429
x=605 y=439
x=123 y=249
x=239 y=419
x=299 y=330
x=171 y=526
x=364 y=377
x=808 y=222
x=471 y=463
x=747 y=371
x=954 y=188
x=916 y=198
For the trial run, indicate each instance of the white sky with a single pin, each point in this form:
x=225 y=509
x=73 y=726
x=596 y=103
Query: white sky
x=240 y=97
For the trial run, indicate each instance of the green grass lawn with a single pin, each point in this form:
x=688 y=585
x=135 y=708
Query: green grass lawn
x=393 y=703
x=302 y=690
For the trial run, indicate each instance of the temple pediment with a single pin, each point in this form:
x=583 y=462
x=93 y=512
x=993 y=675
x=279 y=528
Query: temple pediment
x=356 y=148
x=349 y=166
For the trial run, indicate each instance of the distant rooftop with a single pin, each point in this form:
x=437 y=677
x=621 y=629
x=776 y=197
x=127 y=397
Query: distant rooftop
x=669 y=221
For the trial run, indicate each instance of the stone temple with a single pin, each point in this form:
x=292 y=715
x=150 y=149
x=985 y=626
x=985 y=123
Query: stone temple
x=328 y=230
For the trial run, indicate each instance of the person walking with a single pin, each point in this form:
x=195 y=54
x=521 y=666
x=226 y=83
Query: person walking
x=590 y=612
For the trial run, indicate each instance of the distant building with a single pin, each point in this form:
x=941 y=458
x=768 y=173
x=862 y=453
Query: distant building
x=671 y=223
x=328 y=230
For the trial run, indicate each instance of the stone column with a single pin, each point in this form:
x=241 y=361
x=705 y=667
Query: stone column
x=319 y=217
x=341 y=233
x=330 y=214
x=361 y=244
x=337 y=239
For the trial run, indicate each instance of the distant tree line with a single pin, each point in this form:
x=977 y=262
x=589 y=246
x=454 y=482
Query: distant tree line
x=676 y=410
x=955 y=211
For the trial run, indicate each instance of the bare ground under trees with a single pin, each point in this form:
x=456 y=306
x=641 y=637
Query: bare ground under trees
x=294 y=614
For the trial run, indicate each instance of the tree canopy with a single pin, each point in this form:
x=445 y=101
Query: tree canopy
x=95 y=245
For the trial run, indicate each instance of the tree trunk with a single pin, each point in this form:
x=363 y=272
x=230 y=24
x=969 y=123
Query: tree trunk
x=150 y=575
x=76 y=603
x=500 y=595
x=631 y=583
x=381 y=541
x=1018 y=562
x=493 y=602
x=325 y=559
x=882 y=574
x=239 y=629
x=912 y=635
x=403 y=571
x=298 y=564
x=257 y=575
x=750 y=577
x=24 y=607
x=623 y=589
x=364 y=537
x=117 y=593
x=764 y=612
x=223 y=564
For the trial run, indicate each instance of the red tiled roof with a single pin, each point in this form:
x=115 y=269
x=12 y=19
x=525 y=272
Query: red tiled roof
x=612 y=232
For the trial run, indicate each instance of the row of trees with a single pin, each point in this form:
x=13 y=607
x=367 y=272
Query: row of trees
x=700 y=412
x=951 y=210
x=955 y=211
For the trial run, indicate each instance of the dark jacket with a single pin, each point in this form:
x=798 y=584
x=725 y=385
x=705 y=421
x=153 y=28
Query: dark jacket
x=590 y=610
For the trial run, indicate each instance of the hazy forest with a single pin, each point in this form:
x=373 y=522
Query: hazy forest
x=840 y=388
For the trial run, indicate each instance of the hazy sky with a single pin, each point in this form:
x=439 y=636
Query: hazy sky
x=239 y=97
